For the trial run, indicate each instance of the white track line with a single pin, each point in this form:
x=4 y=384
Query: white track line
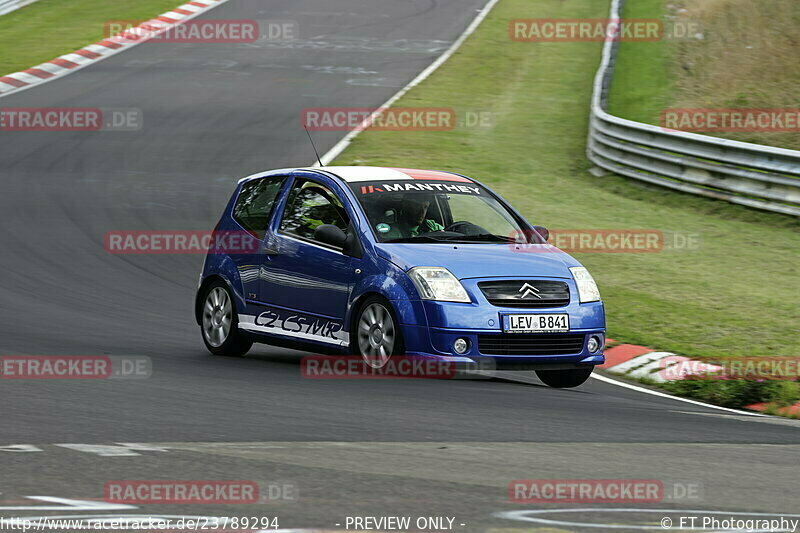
x=606 y=379
x=527 y=377
x=515 y=377
x=339 y=147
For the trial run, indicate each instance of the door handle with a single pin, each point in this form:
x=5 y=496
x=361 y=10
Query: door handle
x=270 y=251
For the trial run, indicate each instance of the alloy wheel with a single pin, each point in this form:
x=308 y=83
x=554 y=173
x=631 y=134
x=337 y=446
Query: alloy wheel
x=376 y=335
x=217 y=313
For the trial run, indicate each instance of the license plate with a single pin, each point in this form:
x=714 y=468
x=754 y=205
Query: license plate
x=535 y=323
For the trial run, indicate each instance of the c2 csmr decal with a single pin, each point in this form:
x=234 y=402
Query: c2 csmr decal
x=295 y=325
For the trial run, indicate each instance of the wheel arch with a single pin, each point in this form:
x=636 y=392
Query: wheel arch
x=198 y=299
x=355 y=307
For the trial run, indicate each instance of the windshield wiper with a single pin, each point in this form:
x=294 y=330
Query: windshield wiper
x=417 y=238
x=482 y=237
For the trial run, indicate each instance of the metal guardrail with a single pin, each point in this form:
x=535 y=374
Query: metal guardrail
x=762 y=177
x=7 y=6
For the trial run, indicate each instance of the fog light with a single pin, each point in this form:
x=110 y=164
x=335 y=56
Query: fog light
x=461 y=346
x=593 y=345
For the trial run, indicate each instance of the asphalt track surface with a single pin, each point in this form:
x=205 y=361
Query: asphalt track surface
x=216 y=112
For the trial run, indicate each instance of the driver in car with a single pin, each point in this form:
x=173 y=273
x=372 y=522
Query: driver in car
x=412 y=220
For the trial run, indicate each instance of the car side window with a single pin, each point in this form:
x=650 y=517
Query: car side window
x=255 y=204
x=309 y=206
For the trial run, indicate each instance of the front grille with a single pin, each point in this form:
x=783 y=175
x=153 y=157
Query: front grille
x=530 y=344
x=526 y=293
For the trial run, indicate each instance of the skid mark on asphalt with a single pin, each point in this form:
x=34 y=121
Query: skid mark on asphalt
x=353 y=45
x=17 y=448
x=121 y=450
x=462 y=477
x=66 y=504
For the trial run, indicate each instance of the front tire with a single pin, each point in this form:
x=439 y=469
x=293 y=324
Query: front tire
x=564 y=379
x=376 y=332
x=220 y=323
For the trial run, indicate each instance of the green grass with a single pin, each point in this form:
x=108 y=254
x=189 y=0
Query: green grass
x=47 y=29
x=736 y=295
x=735 y=394
x=643 y=75
x=746 y=59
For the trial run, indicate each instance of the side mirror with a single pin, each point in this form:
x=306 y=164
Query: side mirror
x=541 y=230
x=330 y=234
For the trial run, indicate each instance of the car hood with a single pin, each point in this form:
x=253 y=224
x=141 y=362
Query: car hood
x=482 y=260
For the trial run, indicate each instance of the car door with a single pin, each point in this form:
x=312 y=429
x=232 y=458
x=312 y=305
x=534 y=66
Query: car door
x=306 y=282
x=253 y=211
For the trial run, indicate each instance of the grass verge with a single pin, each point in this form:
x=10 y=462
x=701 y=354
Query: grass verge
x=734 y=394
x=746 y=58
x=731 y=296
x=47 y=29
x=643 y=84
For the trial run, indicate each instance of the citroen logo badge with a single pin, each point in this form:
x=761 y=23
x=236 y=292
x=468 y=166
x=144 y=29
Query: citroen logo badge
x=528 y=290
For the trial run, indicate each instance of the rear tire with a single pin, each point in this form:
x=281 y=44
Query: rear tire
x=220 y=323
x=564 y=379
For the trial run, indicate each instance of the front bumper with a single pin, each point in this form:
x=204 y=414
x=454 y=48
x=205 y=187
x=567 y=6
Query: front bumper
x=430 y=328
x=440 y=344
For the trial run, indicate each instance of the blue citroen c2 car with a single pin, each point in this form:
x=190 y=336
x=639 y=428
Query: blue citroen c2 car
x=390 y=261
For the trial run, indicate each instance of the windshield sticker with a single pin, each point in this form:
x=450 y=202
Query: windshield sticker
x=410 y=186
x=383 y=227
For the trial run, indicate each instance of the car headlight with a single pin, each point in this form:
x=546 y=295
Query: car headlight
x=437 y=283
x=587 y=288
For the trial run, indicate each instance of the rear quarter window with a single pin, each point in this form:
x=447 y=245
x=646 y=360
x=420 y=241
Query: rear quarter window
x=255 y=204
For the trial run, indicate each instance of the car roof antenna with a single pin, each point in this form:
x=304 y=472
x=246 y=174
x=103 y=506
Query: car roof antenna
x=313 y=146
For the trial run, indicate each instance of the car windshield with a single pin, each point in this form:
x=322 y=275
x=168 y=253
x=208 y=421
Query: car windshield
x=436 y=212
